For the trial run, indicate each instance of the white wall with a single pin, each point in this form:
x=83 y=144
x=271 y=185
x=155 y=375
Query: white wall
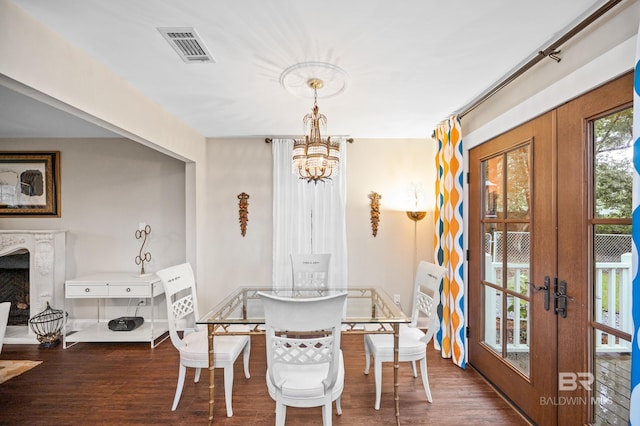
x=384 y=166
x=109 y=186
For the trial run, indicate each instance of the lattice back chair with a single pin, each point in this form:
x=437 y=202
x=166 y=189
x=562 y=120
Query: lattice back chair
x=193 y=345
x=307 y=369
x=5 y=307
x=413 y=341
x=310 y=271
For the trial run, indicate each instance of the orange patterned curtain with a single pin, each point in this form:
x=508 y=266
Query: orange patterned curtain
x=449 y=239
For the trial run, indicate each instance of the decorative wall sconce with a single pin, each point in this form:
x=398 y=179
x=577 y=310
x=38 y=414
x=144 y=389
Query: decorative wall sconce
x=143 y=232
x=375 y=211
x=243 y=204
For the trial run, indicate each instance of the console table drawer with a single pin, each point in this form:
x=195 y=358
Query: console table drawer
x=87 y=290
x=129 y=290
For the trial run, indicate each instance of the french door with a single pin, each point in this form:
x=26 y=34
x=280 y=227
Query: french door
x=532 y=259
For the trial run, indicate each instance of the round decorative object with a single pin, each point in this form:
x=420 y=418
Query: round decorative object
x=296 y=79
x=48 y=326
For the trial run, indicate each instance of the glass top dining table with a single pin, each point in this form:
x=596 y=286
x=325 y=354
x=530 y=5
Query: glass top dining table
x=367 y=310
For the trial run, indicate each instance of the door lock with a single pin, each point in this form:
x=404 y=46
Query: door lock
x=561 y=297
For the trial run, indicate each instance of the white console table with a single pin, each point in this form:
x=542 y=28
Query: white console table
x=106 y=288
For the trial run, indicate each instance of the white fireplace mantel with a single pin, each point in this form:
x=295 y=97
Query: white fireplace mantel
x=46 y=272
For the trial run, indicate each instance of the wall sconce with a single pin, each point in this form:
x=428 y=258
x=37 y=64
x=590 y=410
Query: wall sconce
x=375 y=211
x=243 y=212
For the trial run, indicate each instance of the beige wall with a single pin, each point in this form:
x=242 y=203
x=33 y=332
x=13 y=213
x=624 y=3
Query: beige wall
x=385 y=166
x=109 y=186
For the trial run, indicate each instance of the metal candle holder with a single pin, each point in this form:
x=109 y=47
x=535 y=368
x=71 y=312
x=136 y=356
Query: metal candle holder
x=146 y=257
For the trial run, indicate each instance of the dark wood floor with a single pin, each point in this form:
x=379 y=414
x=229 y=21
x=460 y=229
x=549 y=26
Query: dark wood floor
x=131 y=384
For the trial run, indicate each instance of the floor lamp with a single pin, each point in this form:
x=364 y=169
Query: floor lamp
x=415 y=217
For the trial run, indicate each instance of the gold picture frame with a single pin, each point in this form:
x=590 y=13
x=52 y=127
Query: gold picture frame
x=29 y=183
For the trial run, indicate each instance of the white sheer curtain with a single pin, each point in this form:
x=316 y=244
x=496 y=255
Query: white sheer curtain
x=307 y=217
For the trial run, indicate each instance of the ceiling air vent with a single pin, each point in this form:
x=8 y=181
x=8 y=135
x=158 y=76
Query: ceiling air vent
x=186 y=42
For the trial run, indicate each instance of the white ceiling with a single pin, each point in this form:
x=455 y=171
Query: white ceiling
x=409 y=64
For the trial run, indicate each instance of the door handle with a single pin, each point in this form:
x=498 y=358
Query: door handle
x=545 y=288
x=561 y=298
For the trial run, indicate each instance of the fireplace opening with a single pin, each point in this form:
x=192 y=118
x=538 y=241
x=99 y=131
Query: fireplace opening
x=14 y=286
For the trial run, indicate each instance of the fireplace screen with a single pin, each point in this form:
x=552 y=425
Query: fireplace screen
x=14 y=286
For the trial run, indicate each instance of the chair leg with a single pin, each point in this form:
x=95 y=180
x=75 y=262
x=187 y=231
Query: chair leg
x=367 y=355
x=196 y=377
x=326 y=414
x=281 y=413
x=377 y=374
x=413 y=369
x=338 y=406
x=182 y=371
x=228 y=388
x=245 y=358
x=425 y=378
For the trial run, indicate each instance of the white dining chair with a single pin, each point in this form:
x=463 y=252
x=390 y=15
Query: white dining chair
x=310 y=271
x=306 y=370
x=5 y=307
x=182 y=313
x=413 y=341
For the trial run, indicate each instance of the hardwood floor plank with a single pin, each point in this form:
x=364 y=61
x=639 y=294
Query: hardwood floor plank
x=132 y=384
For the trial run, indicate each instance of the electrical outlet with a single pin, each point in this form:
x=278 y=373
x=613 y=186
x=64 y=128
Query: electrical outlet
x=396 y=299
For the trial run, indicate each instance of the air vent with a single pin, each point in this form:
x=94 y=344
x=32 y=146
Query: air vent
x=186 y=42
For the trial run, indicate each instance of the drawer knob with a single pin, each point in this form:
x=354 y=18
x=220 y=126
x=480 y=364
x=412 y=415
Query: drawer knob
x=87 y=290
x=128 y=289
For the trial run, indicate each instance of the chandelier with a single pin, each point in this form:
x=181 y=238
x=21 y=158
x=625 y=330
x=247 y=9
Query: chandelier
x=315 y=158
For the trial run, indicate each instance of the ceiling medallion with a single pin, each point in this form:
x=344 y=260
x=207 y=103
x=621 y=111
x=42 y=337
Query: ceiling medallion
x=295 y=79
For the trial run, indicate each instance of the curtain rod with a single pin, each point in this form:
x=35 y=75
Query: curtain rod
x=551 y=51
x=268 y=140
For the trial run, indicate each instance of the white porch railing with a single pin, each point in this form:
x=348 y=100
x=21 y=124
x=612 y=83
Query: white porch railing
x=616 y=312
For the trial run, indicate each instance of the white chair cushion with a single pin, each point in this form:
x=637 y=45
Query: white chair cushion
x=305 y=381
x=225 y=348
x=410 y=344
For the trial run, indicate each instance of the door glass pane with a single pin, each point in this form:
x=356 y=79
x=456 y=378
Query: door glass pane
x=493 y=189
x=507 y=256
x=518 y=184
x=518 y=333
x=493 y=319
x=613 y=156
x=612 y=252
x=612 y=282
x=518 y=254
x=492 y=254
